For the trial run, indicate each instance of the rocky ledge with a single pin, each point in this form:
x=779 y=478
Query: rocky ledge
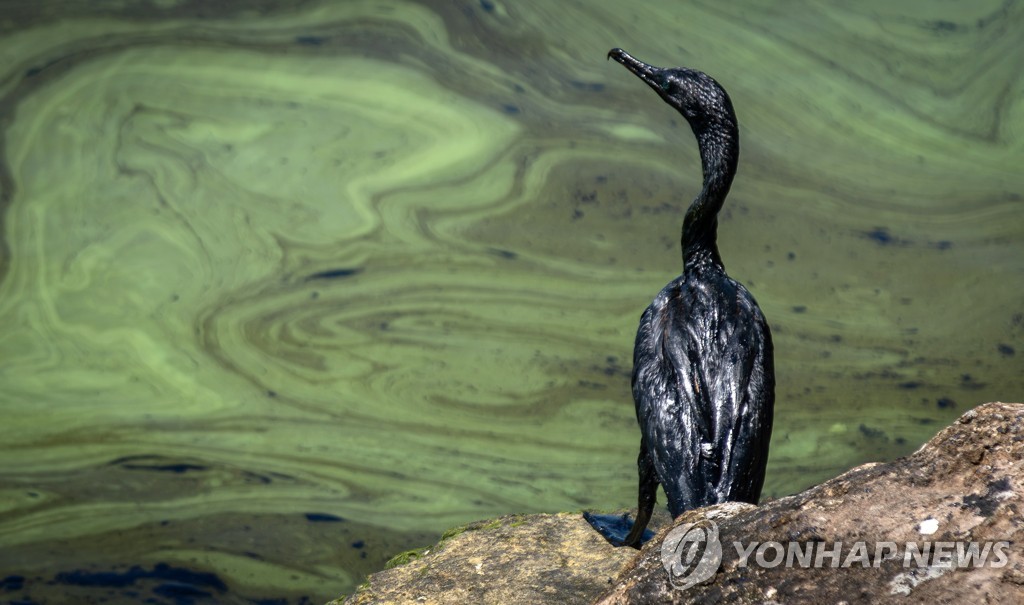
x=939 y=526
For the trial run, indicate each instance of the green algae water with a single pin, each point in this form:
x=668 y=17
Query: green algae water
x=288 y=288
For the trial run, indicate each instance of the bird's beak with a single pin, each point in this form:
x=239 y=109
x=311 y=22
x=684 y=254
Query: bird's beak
x=645 y=72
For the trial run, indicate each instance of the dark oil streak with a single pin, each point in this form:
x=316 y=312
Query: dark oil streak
x=334 y=274
x=162 y=571
x=323 y=518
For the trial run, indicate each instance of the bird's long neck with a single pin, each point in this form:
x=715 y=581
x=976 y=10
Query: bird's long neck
x=719 y=154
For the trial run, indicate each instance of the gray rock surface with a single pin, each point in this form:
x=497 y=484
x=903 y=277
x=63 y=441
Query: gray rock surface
x=965 y=485
x=515 y=559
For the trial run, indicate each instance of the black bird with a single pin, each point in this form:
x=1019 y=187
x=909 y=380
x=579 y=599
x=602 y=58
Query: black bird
x=703 y=369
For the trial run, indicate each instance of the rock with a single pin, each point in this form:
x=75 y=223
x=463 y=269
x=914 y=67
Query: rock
x=518 y=559
x=965 y=486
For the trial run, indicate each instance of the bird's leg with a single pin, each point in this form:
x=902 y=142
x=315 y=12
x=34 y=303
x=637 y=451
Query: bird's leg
x=647 y=494
x=618 y=529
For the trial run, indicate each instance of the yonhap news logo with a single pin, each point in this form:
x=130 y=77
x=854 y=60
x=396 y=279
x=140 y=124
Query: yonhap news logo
x=692 y=553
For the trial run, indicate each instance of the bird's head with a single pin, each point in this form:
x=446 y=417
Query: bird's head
x=693 y=93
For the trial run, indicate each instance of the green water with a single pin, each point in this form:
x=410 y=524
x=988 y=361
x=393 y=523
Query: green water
x=493 y=204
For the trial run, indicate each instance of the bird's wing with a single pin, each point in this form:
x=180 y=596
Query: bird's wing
x=744 y=392
x=669 y=403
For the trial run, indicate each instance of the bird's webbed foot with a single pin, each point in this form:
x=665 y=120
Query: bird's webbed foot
x=615 y=528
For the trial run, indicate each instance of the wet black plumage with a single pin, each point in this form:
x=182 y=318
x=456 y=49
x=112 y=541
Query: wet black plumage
x=703 y=373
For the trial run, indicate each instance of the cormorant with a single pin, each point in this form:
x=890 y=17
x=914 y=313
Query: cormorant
x=703 y=369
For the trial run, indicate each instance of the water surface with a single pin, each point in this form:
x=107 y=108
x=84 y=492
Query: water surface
x=287 y=288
